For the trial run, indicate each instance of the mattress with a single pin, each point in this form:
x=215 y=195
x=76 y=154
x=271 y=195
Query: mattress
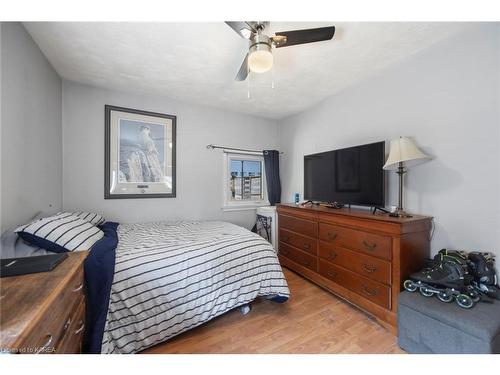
x=171 y=277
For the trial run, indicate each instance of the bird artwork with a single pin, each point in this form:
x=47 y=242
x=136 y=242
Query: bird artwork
x=141 y=154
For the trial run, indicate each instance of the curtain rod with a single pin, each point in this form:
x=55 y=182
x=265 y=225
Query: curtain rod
x=211 y=147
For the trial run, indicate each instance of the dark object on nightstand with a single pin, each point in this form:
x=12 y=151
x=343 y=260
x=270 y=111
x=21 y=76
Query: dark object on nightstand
x=27 y=265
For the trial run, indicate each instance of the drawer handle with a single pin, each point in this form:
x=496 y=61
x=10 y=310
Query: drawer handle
x=67 y=324
x=369 y=268
x=369 y=246
x=332 y=235
x=286 y=238
x=369 y=292
x=333 y=254
x=331 y=274
x=81 y=328
x=307 y=246
x=46 y=345
x=307 y=262
x=78 y=288
x=285 y=252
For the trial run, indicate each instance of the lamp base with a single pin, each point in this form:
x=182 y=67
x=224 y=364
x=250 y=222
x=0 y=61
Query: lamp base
x=400 y=213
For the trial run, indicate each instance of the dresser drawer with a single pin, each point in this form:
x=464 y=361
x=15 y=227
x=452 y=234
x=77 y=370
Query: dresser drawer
x=369 y=289
x=302 y=226
x=302 y=242
x=369 y=243
x=47 y=334
x=371 y=267
x=298 y=256
x=71 y=342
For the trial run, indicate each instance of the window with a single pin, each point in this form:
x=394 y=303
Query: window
x=244 y=181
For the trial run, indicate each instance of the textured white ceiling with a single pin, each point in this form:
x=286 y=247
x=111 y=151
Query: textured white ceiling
x=197 y=62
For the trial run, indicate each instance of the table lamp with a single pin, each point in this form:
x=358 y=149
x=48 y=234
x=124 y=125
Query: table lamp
x=404 y=153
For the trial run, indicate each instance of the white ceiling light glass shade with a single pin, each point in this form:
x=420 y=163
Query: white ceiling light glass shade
x=246 y=33
x=403 y=149
x=260 y=55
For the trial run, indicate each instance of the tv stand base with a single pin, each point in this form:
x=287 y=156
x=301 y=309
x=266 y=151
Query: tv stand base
x=380 y=209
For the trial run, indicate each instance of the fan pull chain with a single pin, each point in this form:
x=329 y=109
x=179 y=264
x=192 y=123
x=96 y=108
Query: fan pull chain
x=272 y=78
x=248 y=84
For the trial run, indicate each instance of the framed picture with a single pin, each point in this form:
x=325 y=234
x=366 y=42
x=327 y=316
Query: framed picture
x=139 y=154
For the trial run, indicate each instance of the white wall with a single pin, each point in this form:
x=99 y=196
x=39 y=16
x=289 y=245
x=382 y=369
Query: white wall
x=447 y=98
x=1 y=227
x=199 y=171
x=31 y=129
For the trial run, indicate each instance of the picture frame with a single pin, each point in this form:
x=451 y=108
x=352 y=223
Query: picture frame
x=139 y=154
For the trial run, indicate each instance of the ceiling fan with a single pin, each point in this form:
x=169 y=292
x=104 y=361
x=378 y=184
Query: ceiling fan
x=259 y=58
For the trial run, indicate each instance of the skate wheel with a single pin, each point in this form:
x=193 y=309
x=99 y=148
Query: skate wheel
x=425 y=292
x=444 y=297
x=410 y=286
x=464 y=301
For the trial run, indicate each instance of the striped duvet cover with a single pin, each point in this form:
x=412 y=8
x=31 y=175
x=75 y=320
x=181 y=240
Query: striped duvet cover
x=171 y=277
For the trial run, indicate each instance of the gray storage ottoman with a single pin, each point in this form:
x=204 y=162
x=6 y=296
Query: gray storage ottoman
x=427 y=325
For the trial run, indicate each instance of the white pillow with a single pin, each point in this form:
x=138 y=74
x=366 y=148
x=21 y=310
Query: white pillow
x=61 y=232
x=91 y=217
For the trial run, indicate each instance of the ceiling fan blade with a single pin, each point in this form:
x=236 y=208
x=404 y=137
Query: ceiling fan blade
x=244 y=29
x=295 y=37
x=243 y=72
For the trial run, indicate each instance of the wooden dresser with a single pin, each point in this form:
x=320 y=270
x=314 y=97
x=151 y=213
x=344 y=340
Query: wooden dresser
x=44 y=312
x=361 y=257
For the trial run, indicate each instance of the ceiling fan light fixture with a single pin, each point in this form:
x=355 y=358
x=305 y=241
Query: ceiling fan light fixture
x=259 y=58
x=260 y=55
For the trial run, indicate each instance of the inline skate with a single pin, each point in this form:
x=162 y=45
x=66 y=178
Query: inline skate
x=448 y=278
x=482 y=266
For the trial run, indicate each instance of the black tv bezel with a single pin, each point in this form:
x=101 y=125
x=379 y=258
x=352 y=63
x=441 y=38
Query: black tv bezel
x=373 y=204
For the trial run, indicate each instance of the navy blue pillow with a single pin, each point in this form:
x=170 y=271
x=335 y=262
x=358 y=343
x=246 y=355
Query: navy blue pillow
x=42 y=242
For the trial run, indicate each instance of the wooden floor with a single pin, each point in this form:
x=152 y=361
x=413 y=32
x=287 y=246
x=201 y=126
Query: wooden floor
x=311 y=321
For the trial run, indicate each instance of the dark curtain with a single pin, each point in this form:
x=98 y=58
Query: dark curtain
x=272 y=165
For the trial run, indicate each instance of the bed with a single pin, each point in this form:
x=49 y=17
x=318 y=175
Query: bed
x=149 y=282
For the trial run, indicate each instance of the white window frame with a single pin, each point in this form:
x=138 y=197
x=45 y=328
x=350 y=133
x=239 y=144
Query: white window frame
x=227 y=203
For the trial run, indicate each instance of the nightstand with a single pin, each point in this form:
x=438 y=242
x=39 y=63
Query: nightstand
x=44 y=312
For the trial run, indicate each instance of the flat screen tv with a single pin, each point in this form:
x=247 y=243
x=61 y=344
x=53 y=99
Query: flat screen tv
x=351 y=175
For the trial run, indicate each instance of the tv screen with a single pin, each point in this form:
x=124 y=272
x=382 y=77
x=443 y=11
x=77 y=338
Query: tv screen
x=351 y=175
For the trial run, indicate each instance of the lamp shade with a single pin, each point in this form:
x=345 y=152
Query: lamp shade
x=403 y=149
